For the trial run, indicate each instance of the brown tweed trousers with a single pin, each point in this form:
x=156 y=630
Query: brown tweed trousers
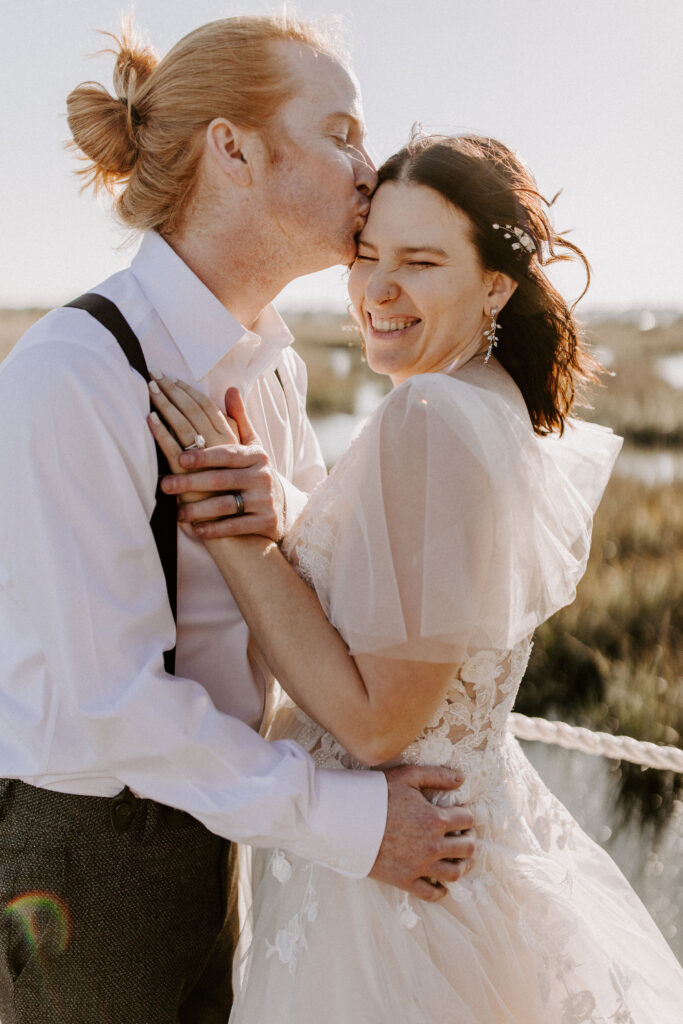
x=112 y=912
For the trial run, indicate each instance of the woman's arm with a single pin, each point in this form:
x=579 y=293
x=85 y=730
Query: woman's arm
x=374 y=706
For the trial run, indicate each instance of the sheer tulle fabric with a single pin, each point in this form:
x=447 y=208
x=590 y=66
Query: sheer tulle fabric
x=545 y=930
x=447 y=532
x=448 y=523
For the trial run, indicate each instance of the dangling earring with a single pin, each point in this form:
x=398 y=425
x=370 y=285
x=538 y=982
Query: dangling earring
x=490 y=335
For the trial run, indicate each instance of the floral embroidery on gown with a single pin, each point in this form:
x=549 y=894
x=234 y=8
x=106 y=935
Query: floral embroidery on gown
x=447 y=532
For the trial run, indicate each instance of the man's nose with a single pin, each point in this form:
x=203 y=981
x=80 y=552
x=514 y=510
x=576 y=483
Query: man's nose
x=366 y=174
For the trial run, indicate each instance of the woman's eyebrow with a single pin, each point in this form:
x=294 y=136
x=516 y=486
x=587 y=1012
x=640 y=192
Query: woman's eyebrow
x=409 y=250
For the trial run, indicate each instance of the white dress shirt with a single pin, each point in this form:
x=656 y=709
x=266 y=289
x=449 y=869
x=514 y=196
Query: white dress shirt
x=85 y=703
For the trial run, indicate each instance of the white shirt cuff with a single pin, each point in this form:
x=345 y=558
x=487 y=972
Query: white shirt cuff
x=349 y=820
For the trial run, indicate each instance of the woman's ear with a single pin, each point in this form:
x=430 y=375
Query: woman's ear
x=501 y=288
x=226 y=144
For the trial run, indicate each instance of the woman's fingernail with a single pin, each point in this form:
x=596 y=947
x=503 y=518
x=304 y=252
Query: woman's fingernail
x=187 y=459
x=154 y=387
x=157 y=374
x=155 y=419
x=199 y=530
x=167 y=484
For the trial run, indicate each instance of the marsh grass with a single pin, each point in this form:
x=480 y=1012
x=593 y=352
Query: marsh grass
x=613 y=660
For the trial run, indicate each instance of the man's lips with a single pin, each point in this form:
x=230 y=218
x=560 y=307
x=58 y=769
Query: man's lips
x=362 y=214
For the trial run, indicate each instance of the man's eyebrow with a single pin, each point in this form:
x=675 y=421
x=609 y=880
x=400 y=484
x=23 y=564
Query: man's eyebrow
x=343 y=115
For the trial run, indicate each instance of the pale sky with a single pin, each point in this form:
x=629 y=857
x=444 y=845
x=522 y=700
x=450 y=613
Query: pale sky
x=588 y=91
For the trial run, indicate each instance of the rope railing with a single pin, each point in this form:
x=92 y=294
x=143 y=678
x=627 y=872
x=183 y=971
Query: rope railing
x=574 y=737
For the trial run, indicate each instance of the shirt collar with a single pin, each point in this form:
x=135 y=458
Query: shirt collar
x=201 y=327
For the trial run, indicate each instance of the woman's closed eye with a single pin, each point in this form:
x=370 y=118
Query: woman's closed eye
x=363 y=257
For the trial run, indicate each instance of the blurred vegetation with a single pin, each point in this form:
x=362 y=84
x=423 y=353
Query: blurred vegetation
x=613 y=660
x=330 y=346
x=13 y=323
x=637 y=402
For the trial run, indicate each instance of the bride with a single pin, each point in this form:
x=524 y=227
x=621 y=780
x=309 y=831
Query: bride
x=457 y=521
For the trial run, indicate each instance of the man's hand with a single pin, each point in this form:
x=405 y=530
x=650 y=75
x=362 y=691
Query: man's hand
x=421 y=848
x=234 y=462
x=245 y=468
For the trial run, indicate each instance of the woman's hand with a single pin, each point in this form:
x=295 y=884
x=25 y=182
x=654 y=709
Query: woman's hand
x=188 y=413
x=235 y=490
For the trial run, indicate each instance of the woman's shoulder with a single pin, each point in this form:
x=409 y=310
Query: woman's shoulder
x=480 y=404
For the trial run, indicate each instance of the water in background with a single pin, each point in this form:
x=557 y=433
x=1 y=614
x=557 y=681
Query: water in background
x=670 y=368
x=335 y=430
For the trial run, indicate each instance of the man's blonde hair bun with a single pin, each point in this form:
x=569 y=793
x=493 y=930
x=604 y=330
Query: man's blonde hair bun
x=105 y=128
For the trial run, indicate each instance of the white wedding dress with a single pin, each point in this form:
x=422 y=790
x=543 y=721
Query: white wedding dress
x=447 y=532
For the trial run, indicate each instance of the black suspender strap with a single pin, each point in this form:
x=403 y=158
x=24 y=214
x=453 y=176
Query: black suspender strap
x=164 y=518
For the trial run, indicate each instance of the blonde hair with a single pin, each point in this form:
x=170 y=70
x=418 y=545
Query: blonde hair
x=144 y=144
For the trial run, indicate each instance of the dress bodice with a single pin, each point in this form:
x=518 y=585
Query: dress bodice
x=468 y=731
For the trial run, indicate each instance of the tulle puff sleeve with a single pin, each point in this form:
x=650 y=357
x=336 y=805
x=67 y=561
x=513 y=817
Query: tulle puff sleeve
x=449 y=525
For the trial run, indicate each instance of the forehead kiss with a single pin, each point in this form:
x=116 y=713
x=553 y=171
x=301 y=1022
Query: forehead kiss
x=320 y=187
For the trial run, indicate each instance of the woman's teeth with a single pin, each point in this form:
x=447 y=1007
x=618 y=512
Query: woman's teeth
x=393 y=325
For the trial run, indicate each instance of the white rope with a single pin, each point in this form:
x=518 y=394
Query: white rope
x=573 y=737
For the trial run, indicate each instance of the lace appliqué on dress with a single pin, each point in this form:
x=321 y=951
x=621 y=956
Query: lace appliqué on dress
x=291 y=940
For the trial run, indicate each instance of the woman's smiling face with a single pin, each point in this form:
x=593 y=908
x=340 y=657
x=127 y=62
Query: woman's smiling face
x=419 y=292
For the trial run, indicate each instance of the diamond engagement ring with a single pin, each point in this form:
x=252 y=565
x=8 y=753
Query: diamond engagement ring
x=198 y=442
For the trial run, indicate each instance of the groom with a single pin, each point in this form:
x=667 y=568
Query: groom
x=120 y=784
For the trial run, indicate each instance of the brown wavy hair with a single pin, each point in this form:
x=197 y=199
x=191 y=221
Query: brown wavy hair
x=541 y=344
x=143 y=144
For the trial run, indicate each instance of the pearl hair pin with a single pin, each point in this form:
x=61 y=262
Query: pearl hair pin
x=518 y=236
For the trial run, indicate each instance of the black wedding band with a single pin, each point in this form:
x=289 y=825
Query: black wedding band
x=239 y=501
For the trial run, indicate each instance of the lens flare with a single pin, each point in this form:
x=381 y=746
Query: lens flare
x=45 y=920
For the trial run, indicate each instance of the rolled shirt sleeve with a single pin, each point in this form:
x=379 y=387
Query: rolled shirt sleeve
x=87 y=620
